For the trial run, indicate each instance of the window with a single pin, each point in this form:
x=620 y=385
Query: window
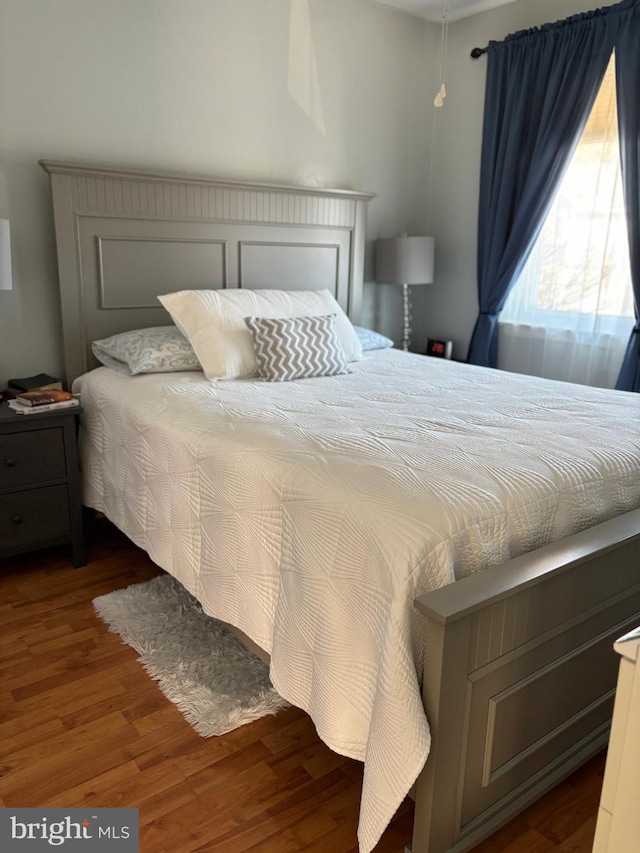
x=570 y=314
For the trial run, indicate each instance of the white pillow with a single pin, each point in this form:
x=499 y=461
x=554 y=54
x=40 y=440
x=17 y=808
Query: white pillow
x=213 y=321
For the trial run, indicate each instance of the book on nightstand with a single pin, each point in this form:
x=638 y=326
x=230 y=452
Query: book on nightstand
x=39 y=382
x=20 y=409
x=43 y=398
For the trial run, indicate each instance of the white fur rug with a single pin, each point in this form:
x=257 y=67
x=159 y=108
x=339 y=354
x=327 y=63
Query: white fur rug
x=198 y=663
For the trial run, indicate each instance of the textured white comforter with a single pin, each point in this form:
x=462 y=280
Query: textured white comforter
x=310 y=514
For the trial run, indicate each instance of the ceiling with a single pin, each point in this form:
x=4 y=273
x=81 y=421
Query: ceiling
x=432 y=9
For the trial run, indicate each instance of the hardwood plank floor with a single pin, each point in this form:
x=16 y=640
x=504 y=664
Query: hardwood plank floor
x=81 y=723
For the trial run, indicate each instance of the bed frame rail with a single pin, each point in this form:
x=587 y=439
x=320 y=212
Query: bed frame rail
x=519 y=679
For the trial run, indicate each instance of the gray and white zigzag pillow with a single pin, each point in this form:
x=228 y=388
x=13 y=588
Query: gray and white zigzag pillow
x=296 y=347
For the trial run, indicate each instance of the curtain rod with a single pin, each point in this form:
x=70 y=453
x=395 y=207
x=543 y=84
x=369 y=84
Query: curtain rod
x=623 y=6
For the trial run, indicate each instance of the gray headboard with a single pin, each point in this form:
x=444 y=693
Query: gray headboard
x=125 y=237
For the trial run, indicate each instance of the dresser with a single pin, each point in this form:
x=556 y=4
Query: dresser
x=618 y=827
x=40 y=501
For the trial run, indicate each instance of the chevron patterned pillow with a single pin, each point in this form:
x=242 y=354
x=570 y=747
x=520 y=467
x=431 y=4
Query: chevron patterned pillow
x=297 y=347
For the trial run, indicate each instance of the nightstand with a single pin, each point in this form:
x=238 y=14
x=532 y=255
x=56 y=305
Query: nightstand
x=40 y=501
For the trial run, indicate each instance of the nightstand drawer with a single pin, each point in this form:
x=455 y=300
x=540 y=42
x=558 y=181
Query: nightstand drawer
x=34 y=514
x=31 y=456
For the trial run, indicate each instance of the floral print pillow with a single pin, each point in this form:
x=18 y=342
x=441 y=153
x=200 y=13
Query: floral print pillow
x=160 y=349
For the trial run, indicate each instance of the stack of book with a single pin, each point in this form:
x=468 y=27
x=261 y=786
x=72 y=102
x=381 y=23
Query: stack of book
x=32 y=402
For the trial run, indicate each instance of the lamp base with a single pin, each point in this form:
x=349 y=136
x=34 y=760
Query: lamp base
x=406 y=317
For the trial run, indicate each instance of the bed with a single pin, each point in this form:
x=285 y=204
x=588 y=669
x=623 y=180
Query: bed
x=370 y=494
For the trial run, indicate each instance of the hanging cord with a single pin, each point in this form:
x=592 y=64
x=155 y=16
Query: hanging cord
x=444 y=40
x=438 y=102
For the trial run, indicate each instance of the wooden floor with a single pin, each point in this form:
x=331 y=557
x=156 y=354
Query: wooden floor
x=82 y=724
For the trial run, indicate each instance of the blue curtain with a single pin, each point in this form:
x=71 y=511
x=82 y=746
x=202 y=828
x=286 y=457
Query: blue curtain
x=541 y=86
x=628 y=96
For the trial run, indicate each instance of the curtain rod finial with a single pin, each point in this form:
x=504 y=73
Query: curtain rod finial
x=477 y=52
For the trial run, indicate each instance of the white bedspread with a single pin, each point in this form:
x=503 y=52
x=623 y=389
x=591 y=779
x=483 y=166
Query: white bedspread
x=310 y=514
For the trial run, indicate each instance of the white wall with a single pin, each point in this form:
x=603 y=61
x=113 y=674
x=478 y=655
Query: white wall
x=449 y=308
x=200 y=86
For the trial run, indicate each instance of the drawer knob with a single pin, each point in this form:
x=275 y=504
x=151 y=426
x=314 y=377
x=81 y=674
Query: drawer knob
x=10 y=462
x=16 y=519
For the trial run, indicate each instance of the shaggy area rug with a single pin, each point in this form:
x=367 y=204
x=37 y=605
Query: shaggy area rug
x=198 y=663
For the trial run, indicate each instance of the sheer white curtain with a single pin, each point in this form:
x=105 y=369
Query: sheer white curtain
x=570 y=314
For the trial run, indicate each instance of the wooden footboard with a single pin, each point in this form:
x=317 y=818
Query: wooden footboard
x=519 y=679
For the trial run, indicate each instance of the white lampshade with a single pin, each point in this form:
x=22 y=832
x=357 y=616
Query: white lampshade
x=6 y=279
x=404 y=260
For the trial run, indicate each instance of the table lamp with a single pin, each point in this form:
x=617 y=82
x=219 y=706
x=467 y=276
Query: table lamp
x=405 y=260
